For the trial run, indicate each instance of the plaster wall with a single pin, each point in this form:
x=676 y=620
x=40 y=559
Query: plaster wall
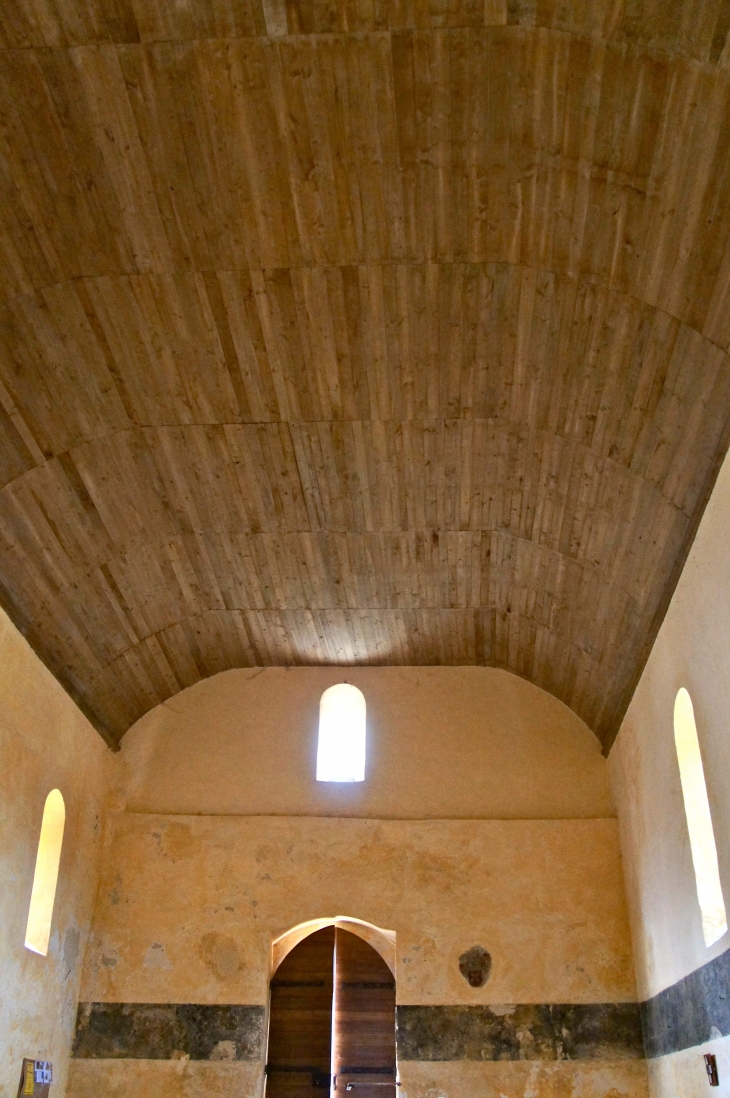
x=443 y=742
x=682 y=1072
x=692 y=650
x=190 y=1079
x=45 y=743
x=189 y=906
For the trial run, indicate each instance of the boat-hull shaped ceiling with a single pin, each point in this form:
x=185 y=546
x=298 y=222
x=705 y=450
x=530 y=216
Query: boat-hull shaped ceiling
x=358 y=333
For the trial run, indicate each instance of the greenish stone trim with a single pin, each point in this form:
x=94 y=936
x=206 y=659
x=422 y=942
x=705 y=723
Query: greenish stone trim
x=169 y=1031
x=552 y=1031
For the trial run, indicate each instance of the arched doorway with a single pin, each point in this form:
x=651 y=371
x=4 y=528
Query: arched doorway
x=332 y=1020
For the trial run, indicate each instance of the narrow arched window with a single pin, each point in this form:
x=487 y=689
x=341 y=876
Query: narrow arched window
x=341 y=744
x=699 y=821
x=38 y=931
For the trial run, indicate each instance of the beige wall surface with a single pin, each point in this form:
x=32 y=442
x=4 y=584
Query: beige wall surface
x=565 y=1079
x=691 y=650
x=682 y=1074
x=562 y=1079
x=162 y=1079
x=45 y=743
x=443 y=742
x=188 y=906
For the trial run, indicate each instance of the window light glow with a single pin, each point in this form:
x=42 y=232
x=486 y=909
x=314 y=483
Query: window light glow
x=699 y=821
x=38 y=931
x=341 y=744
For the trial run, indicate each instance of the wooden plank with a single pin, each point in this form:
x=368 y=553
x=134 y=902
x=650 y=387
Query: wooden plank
x=364 y=1019
x=360 y=332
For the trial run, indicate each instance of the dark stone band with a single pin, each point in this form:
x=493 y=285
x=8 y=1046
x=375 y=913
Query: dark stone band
x=587 y=1031
x=692 y=1011
x=168 y=1031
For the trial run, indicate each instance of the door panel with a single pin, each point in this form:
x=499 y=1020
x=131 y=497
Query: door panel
x=300 y=1026
x=364 y=1029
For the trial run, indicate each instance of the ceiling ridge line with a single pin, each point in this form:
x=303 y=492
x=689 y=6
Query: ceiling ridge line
x=516 y=27
x=576 y=279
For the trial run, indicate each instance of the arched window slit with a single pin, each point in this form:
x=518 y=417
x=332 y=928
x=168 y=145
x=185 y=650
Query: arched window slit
x=699 y=820
x=341 y=743
x=45 y=878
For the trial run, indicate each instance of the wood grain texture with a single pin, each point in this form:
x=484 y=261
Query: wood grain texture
x=363 y=1033
x=300 y=1020
x=387 y=332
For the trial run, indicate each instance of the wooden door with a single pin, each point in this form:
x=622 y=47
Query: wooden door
x=364 y=1020
x=300 y=1020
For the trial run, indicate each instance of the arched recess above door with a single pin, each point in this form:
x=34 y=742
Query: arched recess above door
x=383 y=941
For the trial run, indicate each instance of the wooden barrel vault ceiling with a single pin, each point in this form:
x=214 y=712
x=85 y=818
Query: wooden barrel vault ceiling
x=358 y=331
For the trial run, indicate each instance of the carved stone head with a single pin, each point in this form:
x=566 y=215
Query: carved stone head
x=475 y=966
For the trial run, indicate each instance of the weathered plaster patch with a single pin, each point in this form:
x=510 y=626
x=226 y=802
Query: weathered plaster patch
x=71 y=947
x=224 y=1050
x=220 y=953
x=176 y=841
x=155 y=957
